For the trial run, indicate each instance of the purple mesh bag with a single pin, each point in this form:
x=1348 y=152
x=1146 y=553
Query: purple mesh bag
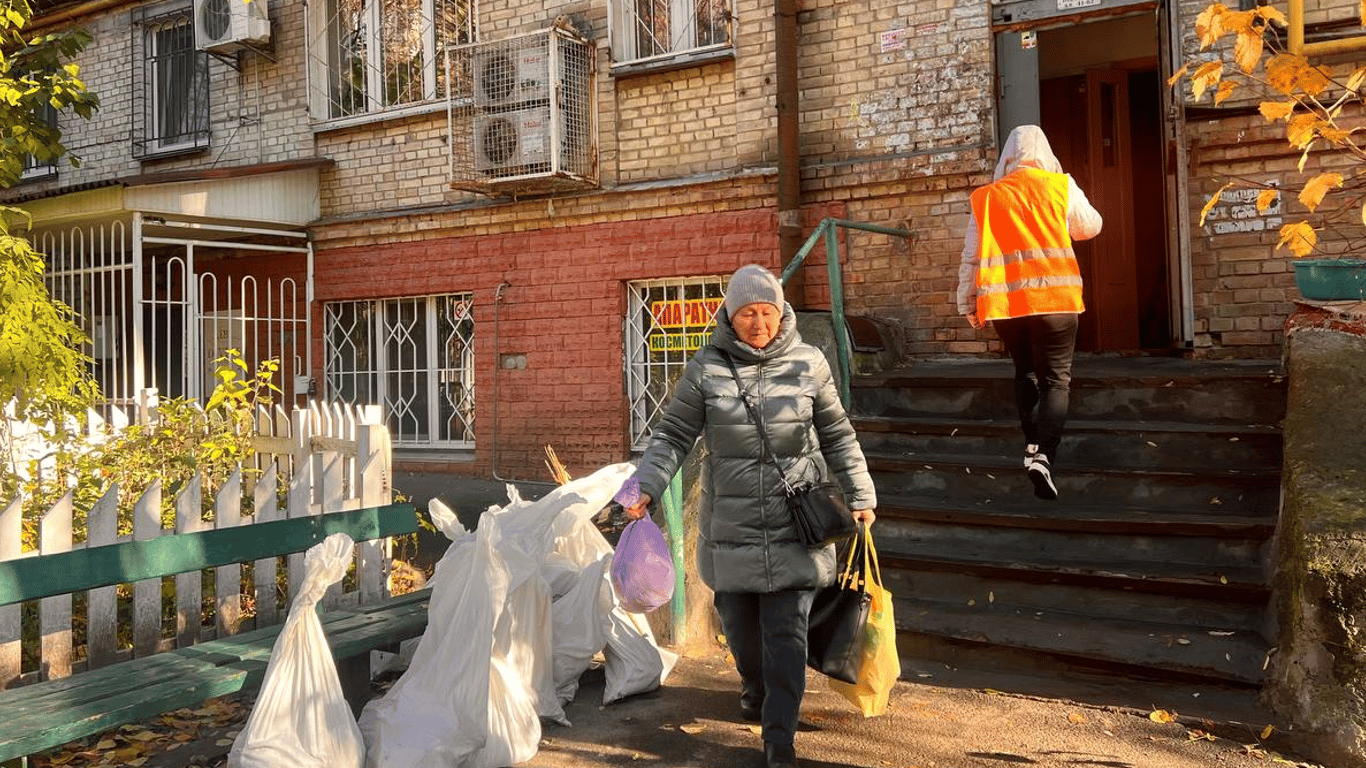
x=642 y=569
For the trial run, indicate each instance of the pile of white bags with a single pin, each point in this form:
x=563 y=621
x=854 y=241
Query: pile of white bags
x=519 y=608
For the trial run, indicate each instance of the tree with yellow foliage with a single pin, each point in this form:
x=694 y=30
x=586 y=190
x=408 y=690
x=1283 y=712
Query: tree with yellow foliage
x=1313 y=102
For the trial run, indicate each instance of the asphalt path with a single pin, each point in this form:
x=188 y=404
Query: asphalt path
x=693 y=720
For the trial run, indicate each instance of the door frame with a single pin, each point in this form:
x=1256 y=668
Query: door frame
x=1015 y=17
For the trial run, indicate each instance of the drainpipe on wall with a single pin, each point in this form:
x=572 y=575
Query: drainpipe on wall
x=789 y=144
x=73 y=12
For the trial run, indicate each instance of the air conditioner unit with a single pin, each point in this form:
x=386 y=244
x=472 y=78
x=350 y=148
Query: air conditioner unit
x=224 y=26
x=513 y=143
x=526 y=122
x=508 y=76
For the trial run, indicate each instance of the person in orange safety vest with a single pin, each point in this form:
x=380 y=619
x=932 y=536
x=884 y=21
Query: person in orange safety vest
x=1019 y=273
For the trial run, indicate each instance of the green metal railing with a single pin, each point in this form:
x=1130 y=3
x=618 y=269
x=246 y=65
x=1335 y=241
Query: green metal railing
x=829 y=229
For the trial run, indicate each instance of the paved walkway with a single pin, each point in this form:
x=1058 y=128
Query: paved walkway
x=693 y=721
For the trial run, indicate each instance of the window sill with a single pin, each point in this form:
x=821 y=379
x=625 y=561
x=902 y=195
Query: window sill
x=367 y=118
x=682 y=60
x=33 y=176
x=152 y=157
x=430 y=459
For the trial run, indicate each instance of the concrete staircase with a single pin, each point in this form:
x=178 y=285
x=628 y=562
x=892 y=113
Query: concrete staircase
x=1154 y=561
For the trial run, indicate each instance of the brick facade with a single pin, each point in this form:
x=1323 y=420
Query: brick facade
x=897 y=116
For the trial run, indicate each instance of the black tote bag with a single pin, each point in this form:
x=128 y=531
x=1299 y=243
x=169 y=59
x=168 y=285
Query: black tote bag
x=839 y=615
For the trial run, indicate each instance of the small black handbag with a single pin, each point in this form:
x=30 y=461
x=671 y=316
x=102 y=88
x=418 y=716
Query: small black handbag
x=818 y=509
x=821 y=514
x=839 y=617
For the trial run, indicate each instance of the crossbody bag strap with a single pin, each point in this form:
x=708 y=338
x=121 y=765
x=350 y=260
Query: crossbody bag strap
x=754 y=416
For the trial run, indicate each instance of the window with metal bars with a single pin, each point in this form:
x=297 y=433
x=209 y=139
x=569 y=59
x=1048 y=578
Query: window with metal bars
x=667 y=321
x=414 y=356
x=171 y=87
x=34 y=167
x=376 y=55
x=650 y=29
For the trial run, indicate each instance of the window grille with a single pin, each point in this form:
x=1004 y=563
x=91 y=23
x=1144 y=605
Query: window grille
x=667 y=321
x=171 y=85
x=373 y=55
x=34 y=168
x=648 y=29
x=415 y=356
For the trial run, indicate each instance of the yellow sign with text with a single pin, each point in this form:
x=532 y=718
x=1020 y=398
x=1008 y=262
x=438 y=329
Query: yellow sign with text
x=682 y=325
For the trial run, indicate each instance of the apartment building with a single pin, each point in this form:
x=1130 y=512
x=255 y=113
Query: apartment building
x=511 y=222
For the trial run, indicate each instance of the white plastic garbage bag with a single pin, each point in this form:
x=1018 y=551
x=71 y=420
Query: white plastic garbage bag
x=635 y=664
x=471 y=698
x=580 y=618
x=300 y=718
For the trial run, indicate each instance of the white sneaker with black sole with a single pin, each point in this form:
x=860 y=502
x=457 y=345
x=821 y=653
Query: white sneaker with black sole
x=1037 y=468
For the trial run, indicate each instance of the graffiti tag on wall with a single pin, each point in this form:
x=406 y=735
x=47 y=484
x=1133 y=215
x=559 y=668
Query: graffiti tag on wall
x=1237 y=211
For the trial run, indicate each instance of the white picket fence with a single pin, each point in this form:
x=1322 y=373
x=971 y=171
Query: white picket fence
x=332 y=457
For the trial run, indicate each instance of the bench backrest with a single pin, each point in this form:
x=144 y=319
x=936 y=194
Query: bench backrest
x=29 y=578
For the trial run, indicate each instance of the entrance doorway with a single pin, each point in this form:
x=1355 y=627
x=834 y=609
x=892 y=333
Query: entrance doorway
x=1098 y=92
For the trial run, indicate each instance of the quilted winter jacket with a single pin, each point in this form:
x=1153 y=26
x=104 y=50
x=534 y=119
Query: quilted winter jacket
x=747 y=541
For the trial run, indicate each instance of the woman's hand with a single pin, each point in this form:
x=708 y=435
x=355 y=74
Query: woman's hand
x=865 y=516
x=975 y=321
x=637 y=510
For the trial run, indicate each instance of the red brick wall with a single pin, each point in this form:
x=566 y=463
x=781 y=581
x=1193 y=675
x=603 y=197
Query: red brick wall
x=562 y=305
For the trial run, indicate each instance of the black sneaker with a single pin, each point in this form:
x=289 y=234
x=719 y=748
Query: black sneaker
x=1039 y=474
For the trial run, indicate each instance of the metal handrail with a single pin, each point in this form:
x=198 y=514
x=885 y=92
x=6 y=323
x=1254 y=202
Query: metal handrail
x=828 y=228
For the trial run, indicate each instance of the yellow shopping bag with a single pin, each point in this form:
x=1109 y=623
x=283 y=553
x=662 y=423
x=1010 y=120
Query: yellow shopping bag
x=881 y=666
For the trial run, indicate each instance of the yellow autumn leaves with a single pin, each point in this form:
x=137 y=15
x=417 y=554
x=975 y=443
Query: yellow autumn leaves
x=1303 y=106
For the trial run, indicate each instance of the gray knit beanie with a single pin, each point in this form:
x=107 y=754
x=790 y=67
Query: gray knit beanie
x=752 y=283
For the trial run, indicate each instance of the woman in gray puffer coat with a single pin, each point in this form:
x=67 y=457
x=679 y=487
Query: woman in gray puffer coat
x=749 y=551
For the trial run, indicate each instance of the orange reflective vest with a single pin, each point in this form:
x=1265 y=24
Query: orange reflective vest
x=1025 y=261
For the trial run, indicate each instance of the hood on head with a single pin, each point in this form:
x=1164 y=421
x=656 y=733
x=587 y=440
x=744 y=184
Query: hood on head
x=1026 y=146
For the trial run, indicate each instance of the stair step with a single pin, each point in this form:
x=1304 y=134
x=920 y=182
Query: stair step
x=1243 y=584
x=978 y=479
x=1208 y=653
x=1149 y=550
x=1080 y=518
x=1237 y=392
x=1086 y=598
x=1087 y=442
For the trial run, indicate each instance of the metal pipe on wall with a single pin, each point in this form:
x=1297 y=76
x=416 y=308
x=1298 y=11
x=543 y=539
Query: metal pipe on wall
x=789 y=143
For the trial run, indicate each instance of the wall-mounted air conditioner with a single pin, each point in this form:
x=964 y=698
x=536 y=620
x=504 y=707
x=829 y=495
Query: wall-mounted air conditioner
x=527 y=123
x=224 y=26
x=510 y=76
x=516 y=142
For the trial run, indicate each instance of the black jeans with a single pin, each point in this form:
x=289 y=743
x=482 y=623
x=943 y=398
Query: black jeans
x=766 y=632
x=1041 y=347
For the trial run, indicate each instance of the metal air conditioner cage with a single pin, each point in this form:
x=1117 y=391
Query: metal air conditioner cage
x=522 y=116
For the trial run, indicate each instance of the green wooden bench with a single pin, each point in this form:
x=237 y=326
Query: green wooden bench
x=43 y=715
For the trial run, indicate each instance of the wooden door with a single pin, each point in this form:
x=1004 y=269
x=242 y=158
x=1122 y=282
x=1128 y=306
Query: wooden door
x=1114 y=273
x=1086 y=118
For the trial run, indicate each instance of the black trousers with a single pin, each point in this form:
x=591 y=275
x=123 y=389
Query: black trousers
x=1041 y=347
x=766 y=632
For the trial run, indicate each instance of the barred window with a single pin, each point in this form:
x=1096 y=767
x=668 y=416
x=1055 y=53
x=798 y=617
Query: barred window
x=172 y=91
x=414 y=356
x=34 y=167
x=375 y=55
x=667 y=321
x=648 y=29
